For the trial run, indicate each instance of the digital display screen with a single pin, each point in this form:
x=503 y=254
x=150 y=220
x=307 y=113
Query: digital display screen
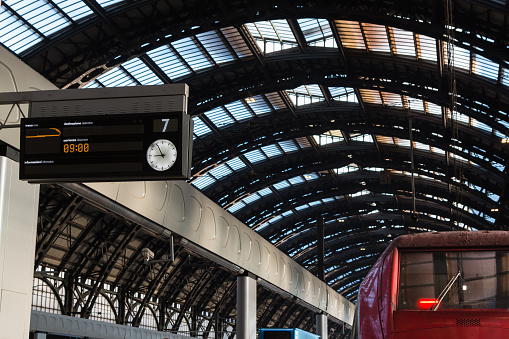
x=102 y=148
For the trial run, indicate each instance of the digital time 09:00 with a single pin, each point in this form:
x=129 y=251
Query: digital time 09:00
x=79 y=148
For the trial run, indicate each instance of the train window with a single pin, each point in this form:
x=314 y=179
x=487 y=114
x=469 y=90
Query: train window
x=454 y=280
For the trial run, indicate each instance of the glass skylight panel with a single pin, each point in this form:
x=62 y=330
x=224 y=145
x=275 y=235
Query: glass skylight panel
x=141 y=72
x=461 y=118
x=203 y=181
x=404 y=42
x=282 y=185
x=235 y=207
x=461 y=57
x=220 y=171
x=288 y=146
x=477 y=124
x=434 y=109
x=236 y=164
x=317 y=32
x=315 y=203
x=384 y=140
x=272 y=36
x=415 y=104
x=306 y=94
x=251 y=198
x=259 y=106
x=296 y=180
x=402 y=142
x=376 y=37
x=505 y=77
x=302 y=207
x=485 y=67
x=215 y=47
x=192 y=54
x=362 y=137
x=428 y=47
x=106 y=3
x=200 y=128
x=40 y=14
x=370 y=96
x=116 y=78
x=219 y=117
x=14 y=34
x=350 y=34
x=255 y=156
x=239 y=111
x=238 y=44
x=303 y=142
x=271 y=150
x=392 y=99
x=275 y=100
x=343 y=94
x=421 y=146
x=75 y=9
x=168 y=61
x=264 y=192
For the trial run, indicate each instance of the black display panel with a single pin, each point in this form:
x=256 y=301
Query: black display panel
x=122 y=147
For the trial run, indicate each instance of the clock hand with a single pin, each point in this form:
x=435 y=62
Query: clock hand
x=162 y=155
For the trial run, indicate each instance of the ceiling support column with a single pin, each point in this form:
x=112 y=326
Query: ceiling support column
x=321 y=325
x=246 y=307
x=19 y=203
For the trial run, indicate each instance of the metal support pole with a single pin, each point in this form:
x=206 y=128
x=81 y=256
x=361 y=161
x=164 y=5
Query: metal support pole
x=246 y=307
x=321 y=326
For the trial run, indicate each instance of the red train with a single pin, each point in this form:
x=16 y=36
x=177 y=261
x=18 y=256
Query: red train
x=437 y=285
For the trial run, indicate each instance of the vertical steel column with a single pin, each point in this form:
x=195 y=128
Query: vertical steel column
x=19 y=203
x=246 y=307
x=321 y=325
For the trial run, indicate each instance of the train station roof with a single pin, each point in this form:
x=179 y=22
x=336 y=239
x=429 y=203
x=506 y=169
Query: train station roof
x=380 y=118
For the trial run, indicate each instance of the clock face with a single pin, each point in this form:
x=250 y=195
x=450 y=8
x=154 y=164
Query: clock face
x=161 y=155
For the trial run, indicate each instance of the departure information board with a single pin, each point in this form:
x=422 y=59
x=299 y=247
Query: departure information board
x=120 y=147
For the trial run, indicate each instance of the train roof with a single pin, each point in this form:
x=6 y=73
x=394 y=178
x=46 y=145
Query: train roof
x=453 y=239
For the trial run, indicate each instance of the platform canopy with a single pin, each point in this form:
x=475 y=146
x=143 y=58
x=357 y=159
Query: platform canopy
x=380 y=118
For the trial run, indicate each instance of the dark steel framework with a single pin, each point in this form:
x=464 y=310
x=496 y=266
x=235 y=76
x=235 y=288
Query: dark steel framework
x=360 y=185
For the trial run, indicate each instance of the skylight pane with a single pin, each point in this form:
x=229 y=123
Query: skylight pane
x=271 y=150
x=220 y=171
x=276 y=101
x=115 y=78
x=219 y=117
x=483 y=126
x=251 y=198
x=315 y=29
x=376 y=37
x=485 y=67
x=392 y=99
x=234 y=208
x=239 y=111
x=461 y=57
x=505 y=77
x=215 y=47
x=236 y=164
x=75 y=9
x=259 y=106
x=264 y=192
x=14 y=34
x=343 y=94
x=168 y=61
x=281 y=185
x=434 y=109
x=350 y=34
x=296 y=180
x=255 y=156
x=404 y=42
x=203 y=181
x=141 y=72
x=371 y=96
x=191 y=53
x=40 y=14
x=272 y=36
x=106 y=3
x=288 y=146
x=428 y=47
x=238 y=44
x=200 y=128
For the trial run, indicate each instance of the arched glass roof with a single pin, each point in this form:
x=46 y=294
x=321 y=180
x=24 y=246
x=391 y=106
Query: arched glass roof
x=309 y=111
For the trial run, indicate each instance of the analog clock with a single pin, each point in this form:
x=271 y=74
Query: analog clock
x=161 y=154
